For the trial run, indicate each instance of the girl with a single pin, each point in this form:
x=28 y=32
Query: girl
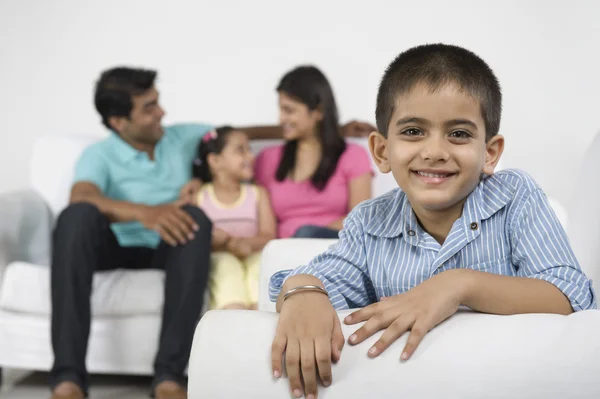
x=315 y=178
x=243 y=221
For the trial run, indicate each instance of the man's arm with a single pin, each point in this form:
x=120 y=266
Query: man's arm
x=116 y=211
x=350 y=129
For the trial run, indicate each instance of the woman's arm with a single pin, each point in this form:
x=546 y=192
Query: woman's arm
x=267 y=225
x=359 y=190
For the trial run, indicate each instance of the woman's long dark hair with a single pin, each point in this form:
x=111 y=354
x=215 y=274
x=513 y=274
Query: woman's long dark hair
x=309 y=85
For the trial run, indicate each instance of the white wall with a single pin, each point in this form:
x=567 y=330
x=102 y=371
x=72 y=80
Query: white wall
x=219 y=61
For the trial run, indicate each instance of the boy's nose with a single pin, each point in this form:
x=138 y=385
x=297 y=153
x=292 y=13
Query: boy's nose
x=435 y=150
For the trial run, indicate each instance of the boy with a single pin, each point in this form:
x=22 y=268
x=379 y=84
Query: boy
x=453 y=234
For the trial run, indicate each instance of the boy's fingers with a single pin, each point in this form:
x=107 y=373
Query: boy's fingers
x=362 y=314
x=391 y=334
x=323 y=358
x=417 y=332
x=277 y=349
x=337 y=340
x=308 y=366
x=376 y=323
x=292 y=367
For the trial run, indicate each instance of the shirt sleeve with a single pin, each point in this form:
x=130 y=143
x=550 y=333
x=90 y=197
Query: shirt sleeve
x=92 y=167
x=191 y=133
x=342 y=269
x=541 y=250
x=355 y=162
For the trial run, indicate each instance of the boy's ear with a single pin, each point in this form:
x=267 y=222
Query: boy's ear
x=493 y=152
x=378 y=146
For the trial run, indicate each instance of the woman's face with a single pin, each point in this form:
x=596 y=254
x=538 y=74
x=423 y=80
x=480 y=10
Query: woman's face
x=296 y=119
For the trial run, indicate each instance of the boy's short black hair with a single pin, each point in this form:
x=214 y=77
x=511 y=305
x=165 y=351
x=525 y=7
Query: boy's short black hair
x=115 y=89
x=437 y=65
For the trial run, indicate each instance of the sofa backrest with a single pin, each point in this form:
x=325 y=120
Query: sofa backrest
x=54 y=158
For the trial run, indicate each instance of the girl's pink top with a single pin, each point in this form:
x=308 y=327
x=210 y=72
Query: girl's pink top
x=239 y=219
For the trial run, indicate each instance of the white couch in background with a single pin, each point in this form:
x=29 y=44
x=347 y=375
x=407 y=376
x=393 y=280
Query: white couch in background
x=126 y=304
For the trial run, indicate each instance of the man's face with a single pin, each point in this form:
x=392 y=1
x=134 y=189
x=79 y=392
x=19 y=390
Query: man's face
x=436 y=147
x=144 y=123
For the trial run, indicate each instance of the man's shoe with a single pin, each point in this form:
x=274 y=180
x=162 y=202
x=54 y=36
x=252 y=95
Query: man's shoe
x=67 y=390
x=169 y=390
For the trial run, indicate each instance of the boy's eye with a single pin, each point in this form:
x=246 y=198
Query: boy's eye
x=412 y=132
x=460 y=134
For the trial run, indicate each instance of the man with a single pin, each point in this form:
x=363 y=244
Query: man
x=124 y=212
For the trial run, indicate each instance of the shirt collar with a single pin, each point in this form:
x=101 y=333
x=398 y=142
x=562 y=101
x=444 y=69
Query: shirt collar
x=125 y=151
x=395 y=217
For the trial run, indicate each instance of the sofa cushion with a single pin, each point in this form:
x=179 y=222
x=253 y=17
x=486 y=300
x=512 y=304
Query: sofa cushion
x=26 y=289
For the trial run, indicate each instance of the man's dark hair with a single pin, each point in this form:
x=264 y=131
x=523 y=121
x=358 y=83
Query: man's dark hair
x=308 y=85
x=438 y=65
x=115 y=89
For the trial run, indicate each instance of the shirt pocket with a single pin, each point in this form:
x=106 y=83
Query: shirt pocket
x=501 y=266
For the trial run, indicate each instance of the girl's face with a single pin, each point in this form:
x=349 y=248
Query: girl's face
x=296 y=119
x=236 y=160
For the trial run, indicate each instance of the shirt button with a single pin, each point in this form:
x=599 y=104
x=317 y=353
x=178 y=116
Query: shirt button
x=474 y=226
x=411 y=233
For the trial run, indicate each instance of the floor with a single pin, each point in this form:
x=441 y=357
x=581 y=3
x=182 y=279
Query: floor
x=18 y=384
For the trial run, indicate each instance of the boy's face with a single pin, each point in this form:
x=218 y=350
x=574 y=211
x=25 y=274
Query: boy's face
x=436 y=147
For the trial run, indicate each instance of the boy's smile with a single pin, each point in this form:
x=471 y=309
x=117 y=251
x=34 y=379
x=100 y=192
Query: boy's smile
x=436 y=149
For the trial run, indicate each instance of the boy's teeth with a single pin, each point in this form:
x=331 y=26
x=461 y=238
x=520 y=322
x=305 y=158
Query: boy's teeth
x=432 y=174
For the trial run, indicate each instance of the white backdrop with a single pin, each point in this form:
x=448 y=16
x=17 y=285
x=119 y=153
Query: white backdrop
x=220 y=60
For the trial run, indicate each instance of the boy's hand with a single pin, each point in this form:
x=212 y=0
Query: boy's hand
x=310 y=334
x=418 y=310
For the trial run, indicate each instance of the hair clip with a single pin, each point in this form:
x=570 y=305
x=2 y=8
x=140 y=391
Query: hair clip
x=197 y=162
x=209 y=136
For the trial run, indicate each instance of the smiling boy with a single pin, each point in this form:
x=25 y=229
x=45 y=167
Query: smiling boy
x=453 y=233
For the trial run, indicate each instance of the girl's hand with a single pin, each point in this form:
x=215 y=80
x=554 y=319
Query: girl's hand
x=418 y=310
x=239 y=247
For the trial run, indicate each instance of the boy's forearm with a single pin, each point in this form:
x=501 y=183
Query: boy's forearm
x=296 y=281
x=506 y=295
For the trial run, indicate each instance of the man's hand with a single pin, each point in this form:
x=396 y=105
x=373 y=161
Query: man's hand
x=174 y=225
x=357 y=129
x=239 y=247
x=310 y=334
x=418 y=310
x=188 y=192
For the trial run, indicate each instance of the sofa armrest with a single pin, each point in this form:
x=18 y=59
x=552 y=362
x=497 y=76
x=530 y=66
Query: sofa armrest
x=25 y=228
x=471 y=355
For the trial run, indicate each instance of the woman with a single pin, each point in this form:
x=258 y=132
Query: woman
x=315 y=178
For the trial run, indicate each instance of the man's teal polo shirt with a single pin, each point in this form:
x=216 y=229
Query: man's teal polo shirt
x=125 y=174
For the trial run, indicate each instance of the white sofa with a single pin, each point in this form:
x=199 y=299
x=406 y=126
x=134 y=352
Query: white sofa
x=470 y=355
x=126 y=304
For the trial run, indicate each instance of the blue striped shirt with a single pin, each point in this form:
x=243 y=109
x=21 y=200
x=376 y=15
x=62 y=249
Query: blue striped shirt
x=507 y=227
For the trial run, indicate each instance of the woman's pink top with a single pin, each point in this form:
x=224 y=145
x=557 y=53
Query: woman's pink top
x=239 y=219
x=299 y=203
